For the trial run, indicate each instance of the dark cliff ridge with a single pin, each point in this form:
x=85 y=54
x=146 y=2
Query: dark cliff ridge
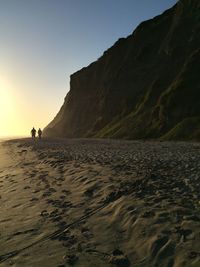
x=145 y=86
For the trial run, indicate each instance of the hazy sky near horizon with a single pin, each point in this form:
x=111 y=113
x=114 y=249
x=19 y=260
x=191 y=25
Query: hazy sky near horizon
x=42 y=42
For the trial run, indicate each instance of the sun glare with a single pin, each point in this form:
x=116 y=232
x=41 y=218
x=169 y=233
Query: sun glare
x=9 y=125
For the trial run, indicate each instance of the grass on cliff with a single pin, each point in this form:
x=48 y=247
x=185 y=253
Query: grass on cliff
x=187 y=129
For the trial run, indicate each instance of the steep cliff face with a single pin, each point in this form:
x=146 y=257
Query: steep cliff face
x=146 y=86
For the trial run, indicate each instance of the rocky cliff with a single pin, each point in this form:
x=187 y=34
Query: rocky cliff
x=145 y=86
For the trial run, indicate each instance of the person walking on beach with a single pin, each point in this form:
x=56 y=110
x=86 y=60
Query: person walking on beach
x=40 y=133
x=33 y=133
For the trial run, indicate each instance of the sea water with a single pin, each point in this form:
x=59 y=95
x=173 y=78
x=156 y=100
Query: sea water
x=6 y=138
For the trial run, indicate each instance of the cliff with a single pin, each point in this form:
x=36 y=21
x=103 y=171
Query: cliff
x=145 y=86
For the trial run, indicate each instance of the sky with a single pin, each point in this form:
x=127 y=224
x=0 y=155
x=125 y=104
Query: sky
x=42 y=42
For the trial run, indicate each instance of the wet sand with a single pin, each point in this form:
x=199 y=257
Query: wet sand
x=94 y=203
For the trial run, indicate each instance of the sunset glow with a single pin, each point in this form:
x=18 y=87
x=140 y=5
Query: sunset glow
x=8 y=112
x=19 y=112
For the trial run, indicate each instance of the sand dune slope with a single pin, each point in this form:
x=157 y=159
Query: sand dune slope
x=93 y=203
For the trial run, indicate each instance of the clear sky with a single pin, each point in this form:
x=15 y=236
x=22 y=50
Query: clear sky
x=42 y=42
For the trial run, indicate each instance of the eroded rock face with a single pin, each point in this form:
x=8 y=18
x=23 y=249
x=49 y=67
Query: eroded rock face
x=145 y=86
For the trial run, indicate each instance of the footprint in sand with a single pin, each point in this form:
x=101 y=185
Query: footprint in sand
x=162 y=248
x=56 y=218
x=32 y=231
x=119 y=259
x=49 y=192
x=66 y=192
x=16 y=206
x=71 y=259
x=34 y=199
x=86 y=233
x=52 y=190
x=13 y=190
x=157 y=244
x=60 y=179
x=27 y=187
x=148 y=214
x=36 y=191
x=32 y=175
x=46 y=194
x=184 y=233
x=44 y=213
x=67 y=239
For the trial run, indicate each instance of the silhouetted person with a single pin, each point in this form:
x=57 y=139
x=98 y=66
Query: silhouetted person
x=33 y=132
x=40 y=133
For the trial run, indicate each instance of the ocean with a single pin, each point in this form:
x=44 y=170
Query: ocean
x=5 y=138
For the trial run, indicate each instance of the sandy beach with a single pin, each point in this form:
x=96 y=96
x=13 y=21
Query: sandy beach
x=94 y=203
